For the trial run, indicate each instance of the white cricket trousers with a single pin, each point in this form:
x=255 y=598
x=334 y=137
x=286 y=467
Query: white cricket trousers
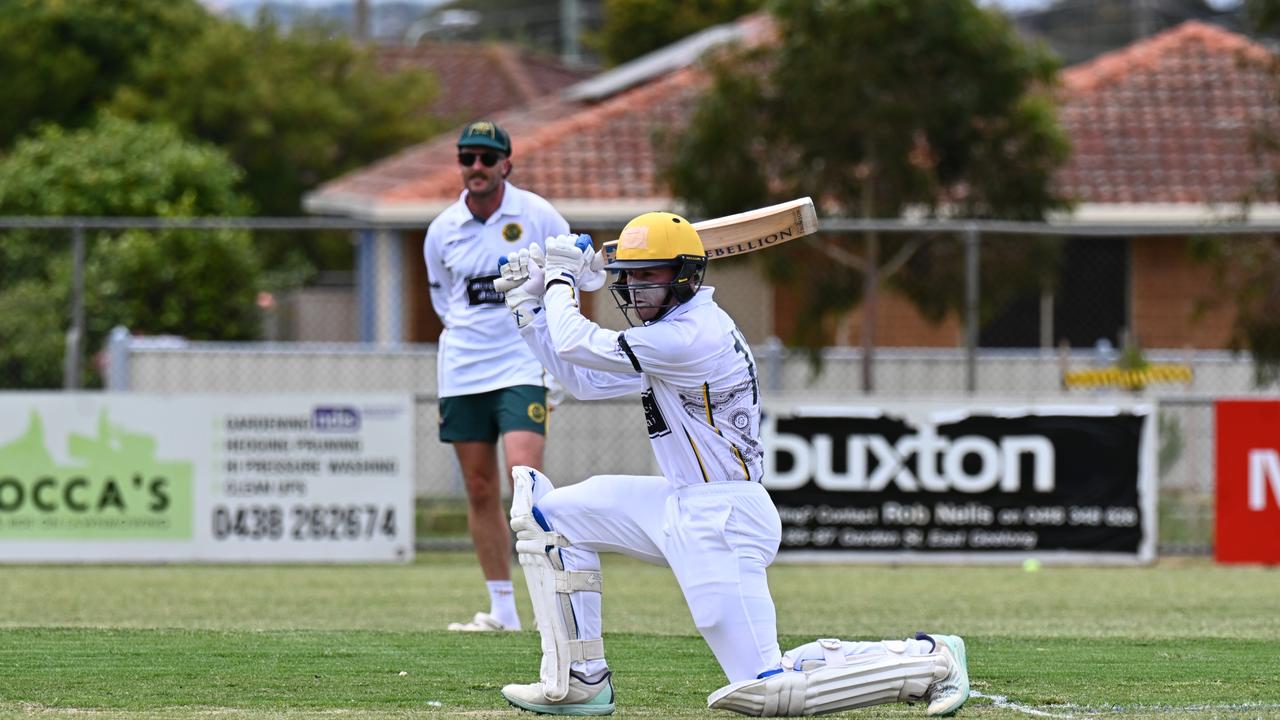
x=717 y=538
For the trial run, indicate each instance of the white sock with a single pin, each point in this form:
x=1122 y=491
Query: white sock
x=502 y=602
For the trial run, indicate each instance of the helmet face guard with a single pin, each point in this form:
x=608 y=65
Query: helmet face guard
x=654 y=240
x=683 y=285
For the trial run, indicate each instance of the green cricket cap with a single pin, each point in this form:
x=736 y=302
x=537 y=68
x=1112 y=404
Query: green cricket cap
x=485 y=134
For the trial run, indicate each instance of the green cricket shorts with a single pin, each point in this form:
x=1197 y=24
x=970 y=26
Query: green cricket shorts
x=482 y=417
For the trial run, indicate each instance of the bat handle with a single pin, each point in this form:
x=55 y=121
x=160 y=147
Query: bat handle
x=606 y=255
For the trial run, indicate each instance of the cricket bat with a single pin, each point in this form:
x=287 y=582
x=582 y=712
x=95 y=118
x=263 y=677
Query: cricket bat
x=736 y=234
x=749 y=231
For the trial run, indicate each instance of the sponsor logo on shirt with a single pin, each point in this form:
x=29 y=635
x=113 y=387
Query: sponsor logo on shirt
x=653 y=415
x=480 y=291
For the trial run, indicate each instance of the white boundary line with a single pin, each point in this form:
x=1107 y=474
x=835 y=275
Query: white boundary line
x=1001 y=701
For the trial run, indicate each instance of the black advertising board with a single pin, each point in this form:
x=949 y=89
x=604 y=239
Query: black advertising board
x=940 y=482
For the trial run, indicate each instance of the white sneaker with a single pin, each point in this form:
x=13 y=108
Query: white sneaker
x=482 y=622
x=948 y=694
x=583 y=698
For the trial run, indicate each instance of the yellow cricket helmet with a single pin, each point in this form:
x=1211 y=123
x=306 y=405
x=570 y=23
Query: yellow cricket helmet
x=655 y=239
x=658 y=239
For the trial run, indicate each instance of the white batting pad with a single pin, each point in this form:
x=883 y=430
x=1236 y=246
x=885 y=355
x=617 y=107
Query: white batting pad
x=839 y=683
x=550 y=585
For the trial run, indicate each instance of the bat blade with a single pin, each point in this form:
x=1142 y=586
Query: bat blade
x=736 y=234
x=751 y=230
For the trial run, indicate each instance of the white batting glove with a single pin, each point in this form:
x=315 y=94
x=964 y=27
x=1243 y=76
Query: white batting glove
x=567 y=259
x=593 y=275
x=523 y=304
x=523 y=267
x=520 y=279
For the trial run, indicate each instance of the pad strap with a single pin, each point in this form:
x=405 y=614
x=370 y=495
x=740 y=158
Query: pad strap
x=832 y=651
x=580 y=650
x=579 y=581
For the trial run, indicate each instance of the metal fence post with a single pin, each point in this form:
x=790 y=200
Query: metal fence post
x=118 y=359
x=773 y=358
x=71 y=374
x=971 y=309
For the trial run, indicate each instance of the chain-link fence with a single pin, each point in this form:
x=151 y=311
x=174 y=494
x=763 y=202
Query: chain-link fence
x=957 y=310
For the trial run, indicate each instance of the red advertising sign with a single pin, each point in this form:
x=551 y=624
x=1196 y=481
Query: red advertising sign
x=1248 y=477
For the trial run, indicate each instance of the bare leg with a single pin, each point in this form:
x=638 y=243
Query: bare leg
x=523 y=447
x=486 y=519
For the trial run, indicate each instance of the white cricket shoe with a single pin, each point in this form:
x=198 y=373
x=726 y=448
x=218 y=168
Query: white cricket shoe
x=948 y=694
x=583 y=698
x=482 y=622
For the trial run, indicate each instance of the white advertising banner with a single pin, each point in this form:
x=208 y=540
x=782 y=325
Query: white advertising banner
x=220 y=478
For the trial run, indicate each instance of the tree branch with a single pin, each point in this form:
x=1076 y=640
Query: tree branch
x=900 y=258
x=840 y=255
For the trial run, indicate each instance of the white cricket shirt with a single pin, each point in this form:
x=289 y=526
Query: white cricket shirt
x=479 y=349
x=694 y=372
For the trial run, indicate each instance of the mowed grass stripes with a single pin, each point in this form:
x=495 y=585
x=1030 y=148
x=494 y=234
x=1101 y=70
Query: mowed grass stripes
x=1182 y=639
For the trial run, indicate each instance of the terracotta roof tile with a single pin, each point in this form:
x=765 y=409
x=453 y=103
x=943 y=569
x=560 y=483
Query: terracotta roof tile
x=563 y=149
x=1171 y=119
x=480 y=79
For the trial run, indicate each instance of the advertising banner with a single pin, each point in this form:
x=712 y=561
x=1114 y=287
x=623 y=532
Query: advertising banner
x=130 y=478
x=964 y=482
x=1247 y=527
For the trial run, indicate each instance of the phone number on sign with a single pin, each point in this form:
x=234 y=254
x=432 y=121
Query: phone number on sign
x=303 y=522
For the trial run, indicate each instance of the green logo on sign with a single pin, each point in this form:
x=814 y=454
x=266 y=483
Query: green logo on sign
x=114 y=488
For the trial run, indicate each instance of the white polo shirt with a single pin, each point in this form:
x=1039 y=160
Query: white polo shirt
x=480 y=349
x=694 y=372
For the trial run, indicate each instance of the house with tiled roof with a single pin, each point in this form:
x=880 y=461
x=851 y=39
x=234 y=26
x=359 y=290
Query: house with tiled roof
x=480 y=79
x=1169 y=129
x=1163 y=130
x=589 y=149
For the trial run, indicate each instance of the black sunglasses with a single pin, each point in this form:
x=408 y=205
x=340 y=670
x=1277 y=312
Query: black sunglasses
x=489 y=159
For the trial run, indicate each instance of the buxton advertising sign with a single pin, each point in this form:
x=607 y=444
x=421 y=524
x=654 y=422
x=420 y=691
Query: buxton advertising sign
x=122 y=478
x=938 y=482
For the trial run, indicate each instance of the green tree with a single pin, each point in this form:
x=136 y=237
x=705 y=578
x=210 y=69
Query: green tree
x=635 y=27
x=873 y=107
x=61 y=60
x=292 y=110
x=197 y=284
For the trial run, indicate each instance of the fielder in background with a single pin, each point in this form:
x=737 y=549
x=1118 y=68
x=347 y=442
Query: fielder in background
x=488 y=389
x=707 y=517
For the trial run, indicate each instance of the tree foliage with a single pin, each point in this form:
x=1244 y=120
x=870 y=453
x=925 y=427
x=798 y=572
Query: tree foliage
x=61 y=60
x=291 y=109
x=874 y=107
x=200 y=285
x=635 y=27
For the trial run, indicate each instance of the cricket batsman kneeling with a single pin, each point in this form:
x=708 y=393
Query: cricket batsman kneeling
x=707 y=517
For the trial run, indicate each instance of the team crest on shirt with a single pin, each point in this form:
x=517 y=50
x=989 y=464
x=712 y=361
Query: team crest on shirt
x=512 y=232
x=537 y=412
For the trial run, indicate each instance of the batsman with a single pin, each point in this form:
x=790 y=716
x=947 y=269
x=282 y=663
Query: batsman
x=707 y=517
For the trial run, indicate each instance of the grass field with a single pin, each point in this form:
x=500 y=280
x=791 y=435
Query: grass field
x=1183 y=639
